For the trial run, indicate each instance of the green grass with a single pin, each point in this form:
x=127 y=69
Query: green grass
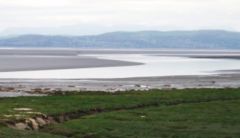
x=11 y=133
x=204 y=120
x=189 y=113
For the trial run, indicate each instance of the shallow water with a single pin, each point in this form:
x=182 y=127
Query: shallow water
x=153 y=66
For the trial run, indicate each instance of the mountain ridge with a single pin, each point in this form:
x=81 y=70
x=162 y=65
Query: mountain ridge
x=201 y=39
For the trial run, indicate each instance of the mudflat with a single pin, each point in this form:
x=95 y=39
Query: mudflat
x=47 y=86
x=26 y=63
x=45 y=59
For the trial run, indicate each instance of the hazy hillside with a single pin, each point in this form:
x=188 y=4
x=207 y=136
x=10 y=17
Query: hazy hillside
x=144 y=39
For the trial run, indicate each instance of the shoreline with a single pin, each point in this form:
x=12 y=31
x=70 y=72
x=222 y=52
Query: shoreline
x=62 y=59
x=12 y=60
x=51 y=86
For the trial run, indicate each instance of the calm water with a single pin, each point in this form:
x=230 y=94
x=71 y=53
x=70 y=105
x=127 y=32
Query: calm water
x=154 y=66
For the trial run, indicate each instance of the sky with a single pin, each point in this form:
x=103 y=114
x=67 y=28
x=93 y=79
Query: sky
x=84 y=17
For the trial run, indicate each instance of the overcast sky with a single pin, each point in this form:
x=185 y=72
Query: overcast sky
x=110 y=15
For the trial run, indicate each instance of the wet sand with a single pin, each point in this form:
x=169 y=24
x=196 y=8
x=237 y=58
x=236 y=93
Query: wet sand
x=49 y=59
x=17 y=94
x=29 y=63
x=46 y=86
x=40 y=59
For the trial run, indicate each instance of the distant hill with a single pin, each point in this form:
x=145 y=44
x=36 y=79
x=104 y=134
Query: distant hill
x=144 y=39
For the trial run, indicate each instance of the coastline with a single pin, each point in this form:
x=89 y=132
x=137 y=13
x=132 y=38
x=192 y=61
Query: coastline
x=51 y=86
x=59 y=58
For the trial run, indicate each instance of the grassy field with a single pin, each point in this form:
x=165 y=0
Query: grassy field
x=190 y=113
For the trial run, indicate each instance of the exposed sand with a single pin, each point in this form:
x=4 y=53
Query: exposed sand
x=24 y=63
x=112 y=85
x=15 y=60
x=18 y=94
x=45 y=59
